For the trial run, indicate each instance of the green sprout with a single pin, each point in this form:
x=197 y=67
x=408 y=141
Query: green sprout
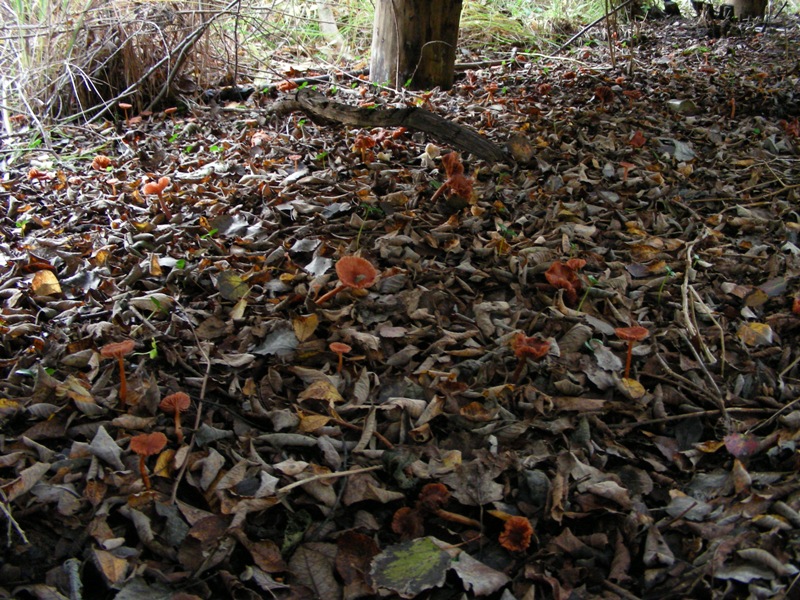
x=21 y=224
x=152 y=353
x=592 y=282
x=368 y=211
x=669 y=275
x=508 y=233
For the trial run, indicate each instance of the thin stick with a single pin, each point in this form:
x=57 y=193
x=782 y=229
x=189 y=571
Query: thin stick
x=5 y=508
x=334 y=475
x=691 y=415
x=566 y=44
x=173 y=497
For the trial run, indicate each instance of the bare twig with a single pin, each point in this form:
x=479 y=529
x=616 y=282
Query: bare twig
x=568 y=43
x=333 y=475
x=5 y=508
x=199 y=414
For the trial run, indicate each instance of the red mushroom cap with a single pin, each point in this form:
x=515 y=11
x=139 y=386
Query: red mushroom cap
x=433 y=496
x=148 y=444
x=355 y=272
x=532 y=347
x=117 y=349
x=561 y=275
x=177 y=402
x=339 y=347
x=517 y=534
x=632 y=334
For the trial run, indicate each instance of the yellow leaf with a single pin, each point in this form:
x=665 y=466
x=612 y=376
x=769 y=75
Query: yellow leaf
x=755 y=334
x=112 y=568
x=634 y=229
x=710 y=446
x=45 y=283
x=9 y=407
x=101 y=256
x=155 y=267
x=305 y=326
x=644 y=252
x=237 y=312
x=321 y=389
x=309 y=423
x=164 y=463
x=631 y=388
x=231 y=286
x=143 y=226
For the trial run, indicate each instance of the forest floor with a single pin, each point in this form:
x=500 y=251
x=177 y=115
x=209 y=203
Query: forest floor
x=438 y=457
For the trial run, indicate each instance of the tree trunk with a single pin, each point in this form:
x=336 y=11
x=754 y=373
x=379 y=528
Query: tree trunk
x=747 y=9
x=414 y=43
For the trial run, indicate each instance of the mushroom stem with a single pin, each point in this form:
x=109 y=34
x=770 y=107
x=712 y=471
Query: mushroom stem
x=123 y=384
x=628 y=359
x=178 y=430
x=341 y=363
x=325 y=297
x=456 y=518
x=164 y=208
x=143 y=471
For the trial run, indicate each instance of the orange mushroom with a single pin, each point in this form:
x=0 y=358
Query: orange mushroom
x=354 y=272
x=125 y=108
x=527 y=347
x=170 y=112
x=630 y=335
x=158 y=187
x=456 y=183
x=101 y=162
x=175 y=404
x=146 y=445
x=363 y=143
x=341 y=349
x=517 y=534
x=119 y=350
x=563 y=276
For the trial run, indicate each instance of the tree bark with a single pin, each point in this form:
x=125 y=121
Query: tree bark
x=748 y=9
x=414 y=43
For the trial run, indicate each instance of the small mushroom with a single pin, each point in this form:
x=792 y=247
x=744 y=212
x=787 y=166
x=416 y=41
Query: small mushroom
x=175 y=404
x=295 y=158
x=170 y=112
x=527 y=347
x=517 y=534
x=101 y=162
x=119 y=350
x=626 y=166
x=146 y=445
x=363 y=143
x=125 y=108
x=630 y=335
x=158 y=187
x=341 y=349
x=562 y=276
x=354 y=272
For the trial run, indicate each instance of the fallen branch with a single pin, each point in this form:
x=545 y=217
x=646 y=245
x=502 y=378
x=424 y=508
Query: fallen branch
x=323 y=110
